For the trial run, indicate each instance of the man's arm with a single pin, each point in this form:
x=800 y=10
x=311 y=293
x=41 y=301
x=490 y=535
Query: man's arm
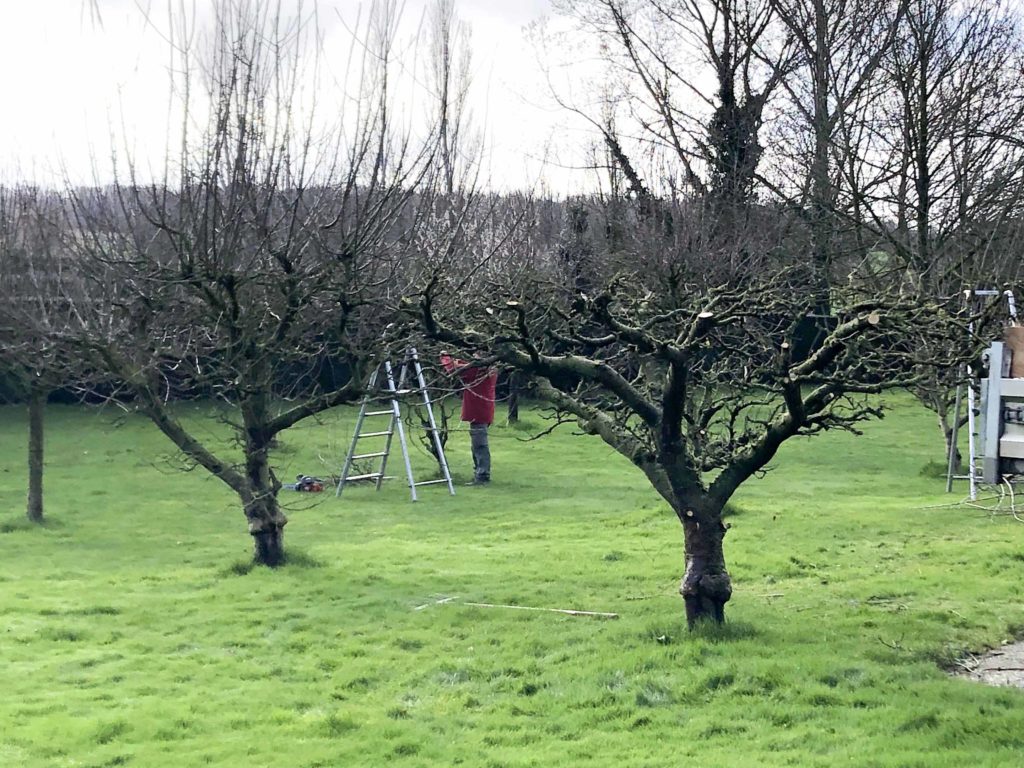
x=467 y=371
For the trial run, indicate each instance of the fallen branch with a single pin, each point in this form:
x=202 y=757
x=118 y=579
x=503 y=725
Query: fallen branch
x=596 y=614
x=442 y=601
x=896 y=645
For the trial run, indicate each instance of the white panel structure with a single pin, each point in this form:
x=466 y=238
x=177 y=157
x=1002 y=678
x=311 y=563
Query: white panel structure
x=1002 y=418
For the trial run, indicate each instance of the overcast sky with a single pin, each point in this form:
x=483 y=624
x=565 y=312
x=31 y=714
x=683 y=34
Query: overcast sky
x=73 y=84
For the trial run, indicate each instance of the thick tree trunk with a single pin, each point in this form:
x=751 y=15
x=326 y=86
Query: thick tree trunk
x=266 y=526
x=266 y=521
x=706 y=586
x=36 y=411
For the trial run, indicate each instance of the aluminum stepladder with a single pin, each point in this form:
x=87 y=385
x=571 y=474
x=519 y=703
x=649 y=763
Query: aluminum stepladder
x=391 y=393
x=974 y=471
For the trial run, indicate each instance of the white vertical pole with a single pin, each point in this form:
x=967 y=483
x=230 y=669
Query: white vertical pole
x=972 y=448
x=971 y=426
x=400 y=428
x=434 y=434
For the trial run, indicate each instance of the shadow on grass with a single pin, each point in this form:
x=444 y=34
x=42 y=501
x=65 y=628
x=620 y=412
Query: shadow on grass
x=705 y=630
x=723 y=633
x=732 y=509
x=934 y=469
x=524 y=425
x=295 y=559
x=19 y=524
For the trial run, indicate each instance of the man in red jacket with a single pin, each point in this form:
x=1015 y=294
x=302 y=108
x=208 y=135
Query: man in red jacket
x=477 y=408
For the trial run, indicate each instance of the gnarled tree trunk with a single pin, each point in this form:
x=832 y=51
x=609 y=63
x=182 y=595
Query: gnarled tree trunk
x=706 y=586
x=266 y=526
x=266 y=521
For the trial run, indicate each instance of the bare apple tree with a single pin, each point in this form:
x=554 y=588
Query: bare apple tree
x=698 y=386
x=263 y=259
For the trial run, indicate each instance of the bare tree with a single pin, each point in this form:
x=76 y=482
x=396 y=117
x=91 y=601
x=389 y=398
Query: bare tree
x=265 y=257
x=31 y=317
x=15 y=354
x=942 y=166
x=840 y=50
x=684 y=346
x=697 y=385
x=706 y=118
x=958 y=78
x=934 y=171
x=449 y=71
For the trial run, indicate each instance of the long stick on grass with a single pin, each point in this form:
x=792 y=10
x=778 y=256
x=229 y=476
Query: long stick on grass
x=595 y=614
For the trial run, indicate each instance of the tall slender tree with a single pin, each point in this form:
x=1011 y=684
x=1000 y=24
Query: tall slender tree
x=32 y=317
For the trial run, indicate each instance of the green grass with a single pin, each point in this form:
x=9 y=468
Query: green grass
x=133 y=631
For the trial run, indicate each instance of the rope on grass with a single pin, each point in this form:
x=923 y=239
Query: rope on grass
x=1013 y=501
x=1006 y=493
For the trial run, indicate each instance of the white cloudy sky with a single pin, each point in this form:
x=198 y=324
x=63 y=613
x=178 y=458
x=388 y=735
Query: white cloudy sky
x=71 y=86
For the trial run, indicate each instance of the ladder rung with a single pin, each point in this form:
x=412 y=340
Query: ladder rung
x=361 y=477
x=388 y=412
x=369 y=455
x=430 y=482
x=373 y=434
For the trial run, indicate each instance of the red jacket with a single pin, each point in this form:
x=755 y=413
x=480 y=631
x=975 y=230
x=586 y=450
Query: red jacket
x=478 y=395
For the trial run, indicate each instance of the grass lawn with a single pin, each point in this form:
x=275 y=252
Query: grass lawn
x=132 y=633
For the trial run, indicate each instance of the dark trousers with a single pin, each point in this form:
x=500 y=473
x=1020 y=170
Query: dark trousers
x=481 y=452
